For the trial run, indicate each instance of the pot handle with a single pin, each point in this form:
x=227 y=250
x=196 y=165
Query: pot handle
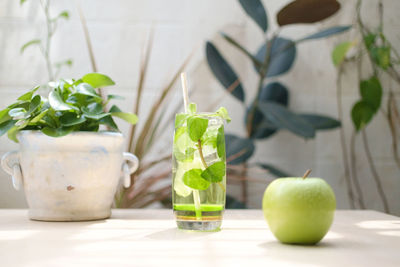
x=130 y=165
x=10 y=164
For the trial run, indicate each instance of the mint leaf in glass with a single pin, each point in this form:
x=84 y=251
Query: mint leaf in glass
x=215 y=172
x=180 y=119
x=223 y=113
x=196 y=127
x=221 y=142
x=192 y=108
x=182 y=140
x=193 y=179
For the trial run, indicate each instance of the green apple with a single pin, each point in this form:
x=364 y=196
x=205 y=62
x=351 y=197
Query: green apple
x=299 y=210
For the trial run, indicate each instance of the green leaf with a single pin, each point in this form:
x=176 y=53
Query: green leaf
x=114 y=108
x=361 y=114
x=98 y=117
x=182 y=140
x=17 y=113
x=57 y=132
x=224 y=72
x=71 y=106
x=369 y=40
x=57 y=103
x=28 y=96
x=215 y=173
x=33 y=106
x=4 y=115
x=238 y=149
x=179 y=132
x=326 y=33
x=193 y=179
x=21 y=124
x=22 y=2
x=93 y=109
x=64 y=14
x=50 y=119
x=281 y=117
x=223 y=113
x=241 y=48
x=40 y=116
x=67 y=62
x=221 y=142
x=340 y=51
x=256 y=10
x=108 y=120
x=196 y=127
x=283 y=54
x=87 y=89
x=7 y=125
x=12 y=134
x=192 y=108
x=261 y=126
x=274 y=171
x=381 y=56
x=97 y=80
x=31 y=42
x=128 y=117
x=180 y=119
x=320 y=122
x=71 y=119
x=371 y=92
x=109 y=97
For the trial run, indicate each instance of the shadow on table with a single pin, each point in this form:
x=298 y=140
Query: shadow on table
x=345 y=245
x=329 y=253
x=177 y=234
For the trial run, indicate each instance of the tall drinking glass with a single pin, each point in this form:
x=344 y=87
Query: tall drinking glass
x=199 y=171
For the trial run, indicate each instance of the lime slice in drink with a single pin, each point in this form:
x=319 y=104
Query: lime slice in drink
x=180 y=188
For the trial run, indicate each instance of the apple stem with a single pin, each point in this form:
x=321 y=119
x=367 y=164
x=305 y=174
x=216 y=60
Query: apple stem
x=307 y=173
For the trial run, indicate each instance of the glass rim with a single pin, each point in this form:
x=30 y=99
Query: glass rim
x=204 y=114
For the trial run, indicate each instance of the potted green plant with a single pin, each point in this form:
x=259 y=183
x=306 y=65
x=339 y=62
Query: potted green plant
x=69 y=167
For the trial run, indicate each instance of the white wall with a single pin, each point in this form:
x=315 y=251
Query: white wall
x=119 y=30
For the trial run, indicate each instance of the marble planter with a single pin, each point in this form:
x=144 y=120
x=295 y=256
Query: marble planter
x=69 y=178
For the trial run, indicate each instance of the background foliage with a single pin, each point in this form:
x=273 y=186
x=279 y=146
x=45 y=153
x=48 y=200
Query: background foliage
x=375 y=97
x=269 y=113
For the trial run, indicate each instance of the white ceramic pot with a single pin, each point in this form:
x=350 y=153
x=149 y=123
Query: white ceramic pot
x=69 y=178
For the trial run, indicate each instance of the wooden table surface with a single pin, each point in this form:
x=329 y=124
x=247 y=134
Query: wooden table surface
x=150 y=238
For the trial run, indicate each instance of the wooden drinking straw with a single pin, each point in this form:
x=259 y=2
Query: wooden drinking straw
x=196 y=193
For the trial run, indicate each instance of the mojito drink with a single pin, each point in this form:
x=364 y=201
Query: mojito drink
x=199 y=170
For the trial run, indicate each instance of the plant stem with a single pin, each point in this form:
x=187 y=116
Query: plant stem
x=380 y=9
x=244 y=183
x=353 y=156
x=249 y=127
x=353 y=160
x=374 y=172
x=143 y=71
x=343 y=138
x=201 y=154
x=392 y=125
x=87 y=39
x=46 y=50
x=89 y=45
x=306 y=174
x=261 y=77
